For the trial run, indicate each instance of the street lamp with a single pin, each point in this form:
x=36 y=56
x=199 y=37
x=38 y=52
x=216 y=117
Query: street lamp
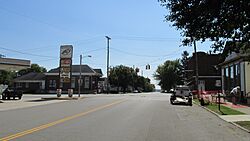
x=80 y=76
x=108 y=41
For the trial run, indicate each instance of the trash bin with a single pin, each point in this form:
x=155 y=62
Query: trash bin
x=59 y=92
x=70 y=92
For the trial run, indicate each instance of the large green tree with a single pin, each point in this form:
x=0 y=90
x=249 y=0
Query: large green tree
x=123 y=77
x=6 y=77
x=184 y=66
x=216 y=20
x=33 y=68
x=168 y=74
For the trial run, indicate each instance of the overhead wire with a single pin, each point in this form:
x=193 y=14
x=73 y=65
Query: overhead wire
x=31 y=54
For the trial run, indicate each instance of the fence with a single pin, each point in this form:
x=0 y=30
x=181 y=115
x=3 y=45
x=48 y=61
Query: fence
x=211 y=96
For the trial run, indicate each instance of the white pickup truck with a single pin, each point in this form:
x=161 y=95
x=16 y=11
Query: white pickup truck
x=182 y=94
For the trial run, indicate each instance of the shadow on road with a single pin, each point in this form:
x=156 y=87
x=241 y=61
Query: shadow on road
x=52 y=98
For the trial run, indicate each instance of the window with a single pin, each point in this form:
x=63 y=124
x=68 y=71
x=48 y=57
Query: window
x=26 y=85
x=226 y=78
x=232 y=72
x=52 y=83
x=237 y=74
x=86 y=82
x=226 y=72
x=61 y=82
x=18 y=85
x=73 y=82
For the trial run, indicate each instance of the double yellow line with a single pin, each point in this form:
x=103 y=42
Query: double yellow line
x=26 y=132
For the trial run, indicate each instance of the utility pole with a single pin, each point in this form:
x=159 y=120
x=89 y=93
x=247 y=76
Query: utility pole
x=108 y=39
x=196 y=69
x=80 y=77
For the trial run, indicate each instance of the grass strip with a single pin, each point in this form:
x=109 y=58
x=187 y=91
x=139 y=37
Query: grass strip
x=245 y=124
x=223 y=110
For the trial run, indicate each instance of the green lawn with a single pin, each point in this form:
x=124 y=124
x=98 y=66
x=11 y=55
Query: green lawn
x=223 y=110
x=245 y=124
x=196 y=101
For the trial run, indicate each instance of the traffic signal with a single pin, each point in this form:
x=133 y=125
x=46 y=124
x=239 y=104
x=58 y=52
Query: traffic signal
x=147 y=67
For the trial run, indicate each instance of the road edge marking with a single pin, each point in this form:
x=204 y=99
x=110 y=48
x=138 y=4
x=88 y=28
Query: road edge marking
x=44 y=126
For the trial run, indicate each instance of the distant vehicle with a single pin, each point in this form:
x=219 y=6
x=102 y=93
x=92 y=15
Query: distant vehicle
x=182 y=94
x=136 y=91
x=171 y=91
x=11 y=92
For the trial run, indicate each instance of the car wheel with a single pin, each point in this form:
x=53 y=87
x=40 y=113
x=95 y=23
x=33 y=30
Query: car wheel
x=8 y=97
x=3 y=97
x=172 y=102
x=19 y=97
x=190 y=102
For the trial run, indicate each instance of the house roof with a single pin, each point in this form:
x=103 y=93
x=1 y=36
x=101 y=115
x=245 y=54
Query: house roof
x=98 y=71
x=31 y=76
x=76 y=69
x=233 y=53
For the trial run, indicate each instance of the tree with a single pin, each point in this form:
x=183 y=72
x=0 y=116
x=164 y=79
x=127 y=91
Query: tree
x=121 y=76
x=33 y=68
x=184 y=66
x=219 y=21
x=6 y=77
x=168 y=74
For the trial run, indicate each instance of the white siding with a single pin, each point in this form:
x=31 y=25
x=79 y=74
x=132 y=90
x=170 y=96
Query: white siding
x=247 y=76
x=222 y=80
x=242 y=76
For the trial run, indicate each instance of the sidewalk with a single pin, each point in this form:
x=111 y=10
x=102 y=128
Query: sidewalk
x=242 y=121
x=239 y=107
x=235 y=118
x=33 y=100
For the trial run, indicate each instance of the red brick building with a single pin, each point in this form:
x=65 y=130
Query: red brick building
x=208 y=70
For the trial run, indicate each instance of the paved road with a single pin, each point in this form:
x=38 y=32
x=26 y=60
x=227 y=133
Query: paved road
x=144 y=117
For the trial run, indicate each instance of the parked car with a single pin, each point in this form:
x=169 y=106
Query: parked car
x=12 y=93
x=182 y=94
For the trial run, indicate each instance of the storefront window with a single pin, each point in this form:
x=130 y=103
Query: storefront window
x=73 y=82
x=52 y=83
x=86 y=82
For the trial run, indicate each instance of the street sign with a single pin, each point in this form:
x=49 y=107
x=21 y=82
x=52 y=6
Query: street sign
x=66 y=62
x=66 y=51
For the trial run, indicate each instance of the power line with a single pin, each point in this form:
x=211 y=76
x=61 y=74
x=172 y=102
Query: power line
x=133 y=54
x=140 y=55
x=157 y=60
x=78 y=42
x=142 y=38
x=31 y=54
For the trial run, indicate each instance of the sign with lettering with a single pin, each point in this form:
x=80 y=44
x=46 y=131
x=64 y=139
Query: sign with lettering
x=66 y=51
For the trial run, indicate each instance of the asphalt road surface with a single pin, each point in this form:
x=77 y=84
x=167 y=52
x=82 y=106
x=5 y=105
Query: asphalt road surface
x=142 y=117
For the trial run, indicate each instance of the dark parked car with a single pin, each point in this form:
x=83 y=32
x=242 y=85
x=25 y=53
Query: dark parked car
x=11 y=93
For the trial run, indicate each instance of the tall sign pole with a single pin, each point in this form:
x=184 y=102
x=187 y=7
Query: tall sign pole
x=108 y=39
x=65 y=72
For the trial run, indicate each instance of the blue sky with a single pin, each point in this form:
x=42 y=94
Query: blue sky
x=35 y=29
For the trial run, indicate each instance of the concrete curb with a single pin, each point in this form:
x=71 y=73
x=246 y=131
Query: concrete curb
x=242 y=128
x=61 y=98
x=1 y=101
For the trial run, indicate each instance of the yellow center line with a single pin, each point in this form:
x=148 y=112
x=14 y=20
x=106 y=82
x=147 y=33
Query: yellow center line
x=26 y=132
